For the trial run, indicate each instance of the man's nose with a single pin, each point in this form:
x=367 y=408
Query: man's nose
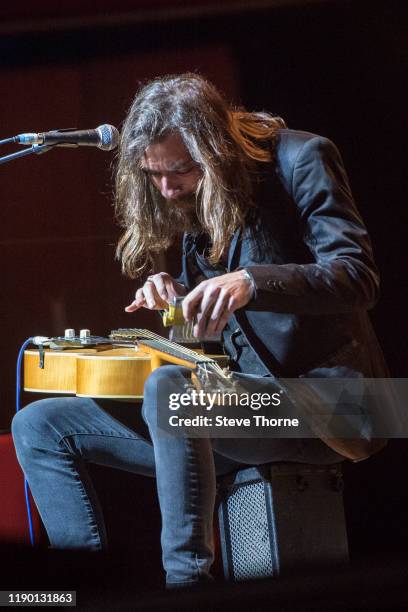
x=169 y=187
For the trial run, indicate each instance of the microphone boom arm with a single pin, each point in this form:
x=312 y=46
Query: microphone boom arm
x=38 y=149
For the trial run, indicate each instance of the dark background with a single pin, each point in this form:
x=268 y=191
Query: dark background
x=334 y=68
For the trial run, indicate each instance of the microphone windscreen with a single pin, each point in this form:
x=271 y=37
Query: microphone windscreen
x=109 y=137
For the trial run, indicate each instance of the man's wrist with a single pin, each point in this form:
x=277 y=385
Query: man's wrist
x=248 y=277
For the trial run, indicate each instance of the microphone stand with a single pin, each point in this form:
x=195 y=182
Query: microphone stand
x=38 y=149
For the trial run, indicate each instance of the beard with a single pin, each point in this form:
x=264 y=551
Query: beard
x=182 y=214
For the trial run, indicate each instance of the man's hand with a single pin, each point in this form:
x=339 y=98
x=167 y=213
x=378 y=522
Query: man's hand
x=157 y=293
x=214 y=300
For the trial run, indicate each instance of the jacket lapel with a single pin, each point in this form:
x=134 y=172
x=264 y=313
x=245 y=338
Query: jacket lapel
x=233 y=253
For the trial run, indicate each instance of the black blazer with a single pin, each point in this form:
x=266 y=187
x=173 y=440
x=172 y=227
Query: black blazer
x=310 y=256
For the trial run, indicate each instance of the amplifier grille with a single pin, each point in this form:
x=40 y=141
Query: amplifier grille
x=249 y=532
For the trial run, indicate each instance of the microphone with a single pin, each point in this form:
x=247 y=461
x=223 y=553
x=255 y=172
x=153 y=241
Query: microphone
x=105 y=137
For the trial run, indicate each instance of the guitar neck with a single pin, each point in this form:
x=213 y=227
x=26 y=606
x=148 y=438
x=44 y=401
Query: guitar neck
x=175 y=351
x=149 y=339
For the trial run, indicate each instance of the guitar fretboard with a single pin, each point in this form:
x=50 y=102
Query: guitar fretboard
x=148 y=338
x=170 y=350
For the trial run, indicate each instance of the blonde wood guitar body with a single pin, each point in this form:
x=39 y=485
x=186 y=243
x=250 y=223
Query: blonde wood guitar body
x=117 y=373
x=102 y=372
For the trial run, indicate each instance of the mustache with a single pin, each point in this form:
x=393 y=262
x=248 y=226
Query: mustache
x=188 y=201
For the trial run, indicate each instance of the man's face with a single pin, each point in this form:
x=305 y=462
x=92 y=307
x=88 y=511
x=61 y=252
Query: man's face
x=172 y=170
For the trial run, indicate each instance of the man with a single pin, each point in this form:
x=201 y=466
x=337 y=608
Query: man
x=275 y=257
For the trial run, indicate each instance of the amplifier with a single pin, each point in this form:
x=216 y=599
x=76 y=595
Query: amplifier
x=281 y=516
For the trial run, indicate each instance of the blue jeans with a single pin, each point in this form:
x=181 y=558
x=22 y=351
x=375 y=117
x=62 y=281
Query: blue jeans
x=55 y=439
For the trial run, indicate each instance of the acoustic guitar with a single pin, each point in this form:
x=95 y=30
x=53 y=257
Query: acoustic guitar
x=115 y=367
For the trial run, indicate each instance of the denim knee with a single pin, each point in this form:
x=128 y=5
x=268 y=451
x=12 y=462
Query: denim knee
x=36 y=425
x=36 y=418
x=161 y=382
x=28 y=427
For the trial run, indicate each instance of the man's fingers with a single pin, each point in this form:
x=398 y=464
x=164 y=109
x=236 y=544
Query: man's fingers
x=161 y=283
x=215 y=312
x=219 y=305
x=138 y=302
x=224 y=316
x=191 y=301
x=166 y=286
x=170 y=289
x=157 y=292
x=152 y=297
x=209 y=298
x=224 y=294
x=148 y=297
x=133 y=307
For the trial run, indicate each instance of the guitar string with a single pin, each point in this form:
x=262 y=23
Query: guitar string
x=204 y=363
x=140 y=333
x=126 y=333
x=184 y=350
x=172 y=345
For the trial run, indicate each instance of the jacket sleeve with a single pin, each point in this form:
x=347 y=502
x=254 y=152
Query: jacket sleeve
x=343 y=276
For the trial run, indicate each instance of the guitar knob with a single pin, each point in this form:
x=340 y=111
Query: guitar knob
x=84 y=333
x=69 y=333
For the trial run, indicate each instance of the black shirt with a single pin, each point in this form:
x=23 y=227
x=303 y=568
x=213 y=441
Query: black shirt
x=242 y=356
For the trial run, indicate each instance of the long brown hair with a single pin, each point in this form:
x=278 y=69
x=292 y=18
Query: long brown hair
x=224 y=141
